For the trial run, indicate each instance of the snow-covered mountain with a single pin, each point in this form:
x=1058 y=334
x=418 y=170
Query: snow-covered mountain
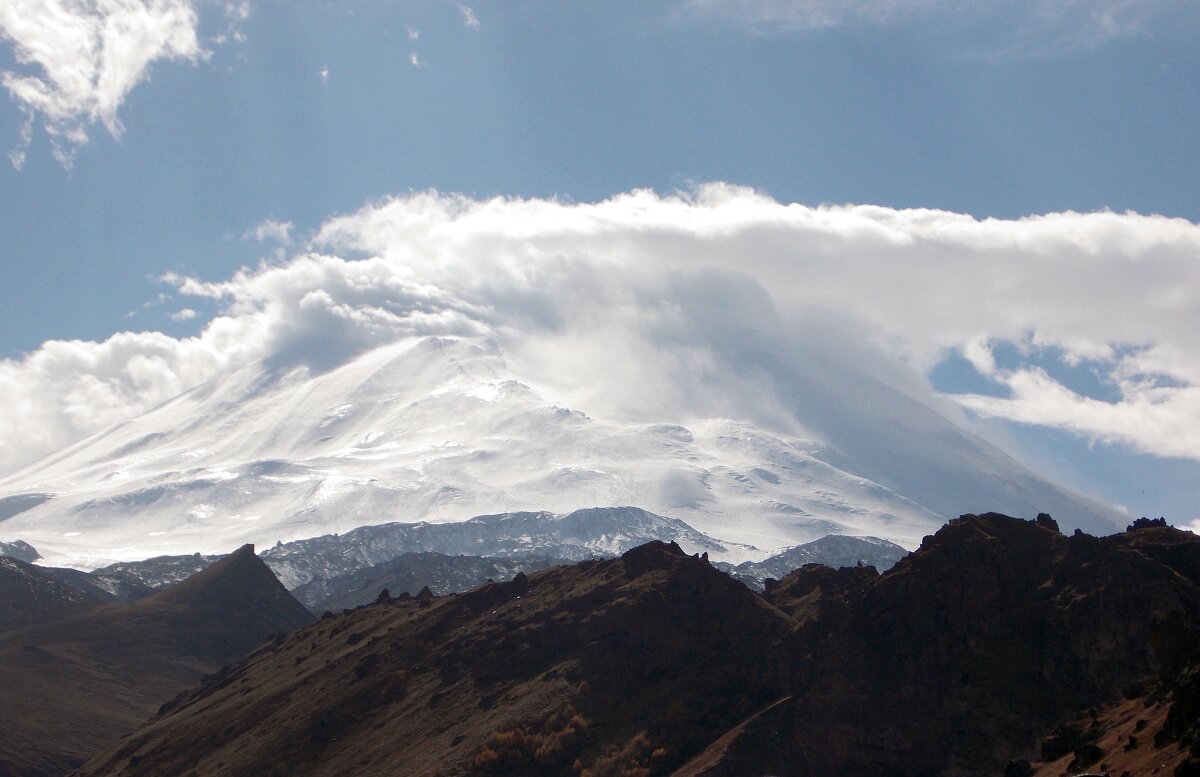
x=582 y=534
x=832 y=551
x=439 y=429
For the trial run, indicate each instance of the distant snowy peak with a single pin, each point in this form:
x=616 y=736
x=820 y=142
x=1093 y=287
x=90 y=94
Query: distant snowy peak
x=832 y=551
x=438 y=429
x=581 y=534
x=338 y=571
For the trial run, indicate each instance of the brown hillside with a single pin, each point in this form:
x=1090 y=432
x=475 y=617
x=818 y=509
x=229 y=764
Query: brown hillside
x=640 y=660
x=965 y=657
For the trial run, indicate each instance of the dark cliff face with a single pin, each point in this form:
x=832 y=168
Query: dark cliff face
x=967 y=652
x=963 y=657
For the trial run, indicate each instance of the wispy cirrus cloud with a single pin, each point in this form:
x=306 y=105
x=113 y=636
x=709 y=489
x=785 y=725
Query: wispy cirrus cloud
x=78 y=60
x=792 y=15
x=1018 y=25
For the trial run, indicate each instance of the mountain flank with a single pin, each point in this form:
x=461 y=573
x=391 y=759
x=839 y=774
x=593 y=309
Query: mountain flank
x=834 y=551
x=586 y=533
x=91 y=672
x=311 y=452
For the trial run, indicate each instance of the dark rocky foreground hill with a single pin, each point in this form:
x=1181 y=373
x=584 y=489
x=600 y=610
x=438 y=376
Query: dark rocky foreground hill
x=978 y=654
x=75 y=674
x=970 y=651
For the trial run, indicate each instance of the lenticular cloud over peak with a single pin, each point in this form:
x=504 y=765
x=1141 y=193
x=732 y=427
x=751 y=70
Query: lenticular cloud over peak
x=686 y=273
x=817 y=324
x=672 y=288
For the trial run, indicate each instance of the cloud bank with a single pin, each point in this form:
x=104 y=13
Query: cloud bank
x=81 y=58
x=645 y=305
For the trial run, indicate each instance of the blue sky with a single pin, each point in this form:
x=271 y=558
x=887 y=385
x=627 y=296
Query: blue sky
x=303 y=111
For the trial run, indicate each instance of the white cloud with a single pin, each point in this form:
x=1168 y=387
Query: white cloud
x=469 y=17
x=184 y=314
x=1154 y=419
x=721 y=302
x=67 y=389
x=415 y=60
x=237 y=12
x=980 y=356
x=79 y=59
x=279 y=231
x=413 y=34
x=324 y=75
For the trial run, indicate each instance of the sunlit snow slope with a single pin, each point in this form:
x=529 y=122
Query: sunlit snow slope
x=439 y=429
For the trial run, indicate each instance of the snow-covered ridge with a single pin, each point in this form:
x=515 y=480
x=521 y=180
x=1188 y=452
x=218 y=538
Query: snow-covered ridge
x=458 y=556
x=581 y=534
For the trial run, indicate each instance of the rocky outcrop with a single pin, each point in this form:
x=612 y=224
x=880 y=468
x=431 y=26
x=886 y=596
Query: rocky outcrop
x=996 y=630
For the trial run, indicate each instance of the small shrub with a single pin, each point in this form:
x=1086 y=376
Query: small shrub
x=554 y=748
